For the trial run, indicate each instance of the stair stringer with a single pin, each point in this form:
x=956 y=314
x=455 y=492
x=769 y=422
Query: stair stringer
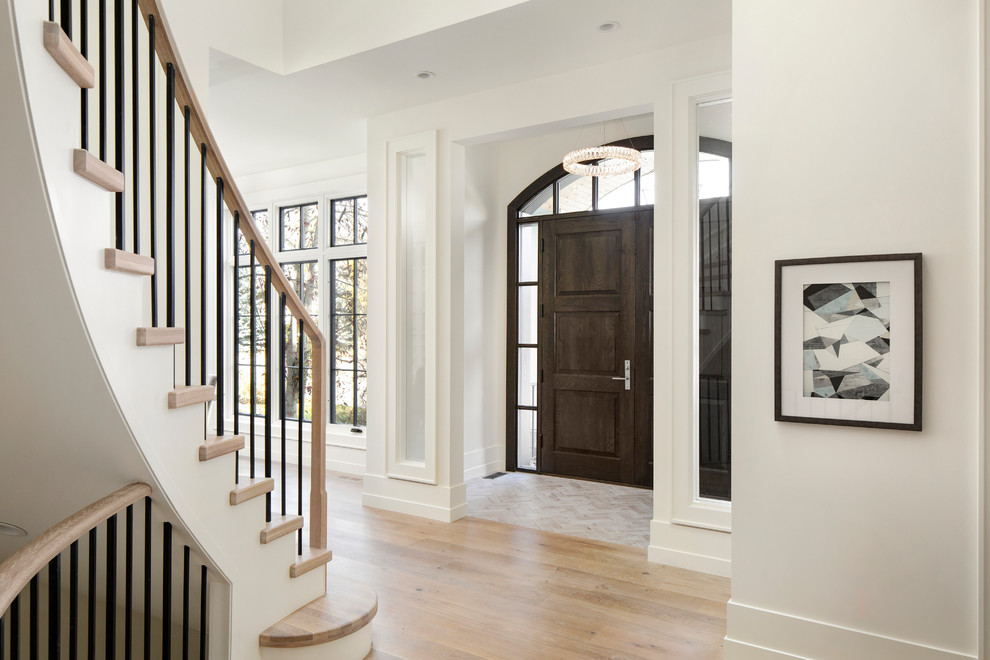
x=112 y=307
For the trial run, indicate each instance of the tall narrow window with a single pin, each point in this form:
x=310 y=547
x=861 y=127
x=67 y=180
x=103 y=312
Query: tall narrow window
x=348 y=374
x=714 y=300
x=304 y=277
x=299 y=227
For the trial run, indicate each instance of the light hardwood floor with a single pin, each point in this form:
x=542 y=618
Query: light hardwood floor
x=484 y=589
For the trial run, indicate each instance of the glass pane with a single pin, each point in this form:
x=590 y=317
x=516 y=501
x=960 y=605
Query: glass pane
x=528 y=296
x=615 y=192
x=362 y=286
x=343 y=397
x=261 y=220
x=713 y=176
x=526 y=440
x=259 y=393
x=342 y=286
x=715 y=301
x=413 y=309
x=343 y=342
x=541 y=204
x=291 y=392
x=575 y=193
x=311 y=225
x=290 y=228
x=362 y=392
x=647 y=183
x=527 y=376
x=343 y=222
x=529 y=257
x=361 y=220
x=308 y=394
x=310 y=288
x=362 y=342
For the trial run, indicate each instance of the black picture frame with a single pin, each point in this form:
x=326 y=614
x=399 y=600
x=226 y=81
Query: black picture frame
x=796 y=397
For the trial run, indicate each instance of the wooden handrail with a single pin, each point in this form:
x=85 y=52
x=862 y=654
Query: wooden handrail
x=17 y=571
x=185 y=96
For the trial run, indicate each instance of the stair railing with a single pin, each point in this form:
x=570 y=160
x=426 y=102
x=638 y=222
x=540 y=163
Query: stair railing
x=89 y=625
x=177 y=249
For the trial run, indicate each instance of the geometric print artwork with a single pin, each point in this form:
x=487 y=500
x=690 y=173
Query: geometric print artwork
x=847 y=341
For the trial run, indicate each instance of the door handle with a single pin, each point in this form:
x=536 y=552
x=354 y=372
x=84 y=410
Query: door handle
x=627 y=377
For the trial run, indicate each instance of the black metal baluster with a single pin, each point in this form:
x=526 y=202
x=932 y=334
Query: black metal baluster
x=65 y=17
x=202 y=274
x=111 y=602
x=202 y=613
x=185 y=602
x=91 y=599
x=15 y=628
x=54 y=608
x=237 y=342
x=253 y=380
x=170 y=195
x=118 y=113
x=283 y=379
x=187 y=349
x=152 y=168
x=128 y=580
x=74 y=600
x=2 y=652
x=268 y=390
x=147 y=578
x=34 y=617
x=299 y=433
x=102 y=47
x=135 y=132
x=51 y=10
x=167 y=592
x=220 y=337
x=84 y=92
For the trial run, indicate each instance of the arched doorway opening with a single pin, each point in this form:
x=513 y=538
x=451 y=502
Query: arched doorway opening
x=580 y=326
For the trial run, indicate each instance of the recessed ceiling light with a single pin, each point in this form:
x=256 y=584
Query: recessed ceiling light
x=425 y=75
x=610 y=26
x=8 y=529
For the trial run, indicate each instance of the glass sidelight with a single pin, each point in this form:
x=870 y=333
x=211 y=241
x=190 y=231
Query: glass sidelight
x=714 y=295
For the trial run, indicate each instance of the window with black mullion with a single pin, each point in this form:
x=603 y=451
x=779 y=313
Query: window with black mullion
x=348 y=379
x=303 y=276
x=260 y=318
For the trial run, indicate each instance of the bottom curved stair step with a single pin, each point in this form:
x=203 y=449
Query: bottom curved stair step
x=347 y=607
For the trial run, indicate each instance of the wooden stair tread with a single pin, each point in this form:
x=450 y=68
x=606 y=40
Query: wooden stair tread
x=88 y=166
x=280 y=526
x=190 y=395
x=160 y=336
x=347 y=607
x=128 y=262
x=65 y=53
x=309 y=559
x=250 y=489
x=220 y=446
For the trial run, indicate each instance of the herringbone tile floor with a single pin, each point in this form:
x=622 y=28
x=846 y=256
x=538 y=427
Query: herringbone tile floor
x=603 y=512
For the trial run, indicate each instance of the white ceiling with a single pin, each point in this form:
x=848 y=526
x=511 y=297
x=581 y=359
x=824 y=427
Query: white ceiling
x=266 y=121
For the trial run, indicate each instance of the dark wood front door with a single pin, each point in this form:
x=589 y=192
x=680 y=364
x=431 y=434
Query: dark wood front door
x=595 y=320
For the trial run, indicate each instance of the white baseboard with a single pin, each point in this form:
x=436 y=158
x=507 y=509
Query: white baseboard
x=442 y=503
x=484 y=461
x=758 y=634
x=693 y=548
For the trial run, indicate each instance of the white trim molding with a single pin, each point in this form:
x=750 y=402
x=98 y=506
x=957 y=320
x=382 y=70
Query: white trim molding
x=755 y=633
x=408 y=199
x=687 y=530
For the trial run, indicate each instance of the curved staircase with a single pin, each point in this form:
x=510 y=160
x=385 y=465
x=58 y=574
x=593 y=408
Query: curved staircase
x=277 y=603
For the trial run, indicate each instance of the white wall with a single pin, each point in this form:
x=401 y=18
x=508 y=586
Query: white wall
x=856 y=132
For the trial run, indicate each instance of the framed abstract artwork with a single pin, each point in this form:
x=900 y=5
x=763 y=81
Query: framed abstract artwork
x=848 y=340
